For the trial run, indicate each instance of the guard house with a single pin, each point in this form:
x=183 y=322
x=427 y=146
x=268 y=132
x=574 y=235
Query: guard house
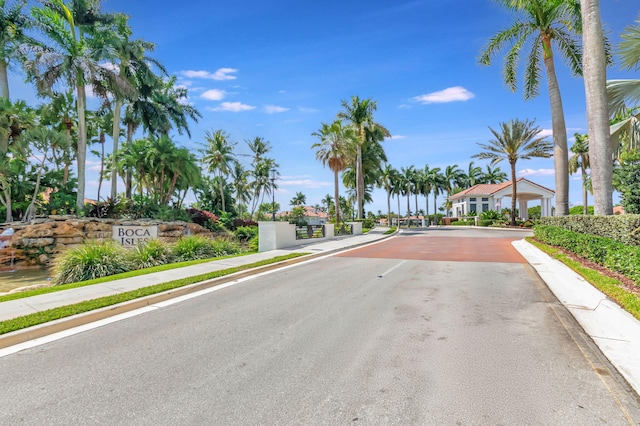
x=483 y=197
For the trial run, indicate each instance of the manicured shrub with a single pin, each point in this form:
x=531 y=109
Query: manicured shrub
x=92 y=260
x=622 y=228
x=463 y=223
x=152 y=253
x=485 y=222
x=237 y=223
x=607 y=252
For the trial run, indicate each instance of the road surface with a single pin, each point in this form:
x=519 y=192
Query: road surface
x=431 y=327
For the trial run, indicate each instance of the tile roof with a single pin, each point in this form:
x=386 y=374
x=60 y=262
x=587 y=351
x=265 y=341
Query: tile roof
x=491 y=188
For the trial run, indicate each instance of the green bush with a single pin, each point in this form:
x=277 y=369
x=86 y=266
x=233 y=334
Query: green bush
x=492 y=215
x=607 y=252
x=621 y=228
x=92 y=260
x=192 y=247
x=224 y=247
x=152 y=253
x=485 y=222
x=254 y=244
x=463 y=223
x=245 y=233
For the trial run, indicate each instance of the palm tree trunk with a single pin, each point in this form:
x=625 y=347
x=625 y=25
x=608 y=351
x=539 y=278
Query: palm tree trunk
x=128 y=181
x=595 y=75
x=114 y=154
x=336 y=194
x=359 y=180
x=585 y=202
x=398 y=210
x=435 y=211
x=514 y=194
x=6 y=193
x=389 y=208
x=82 y=149
x=4 y=82
x=560 y=155
x=426 y=204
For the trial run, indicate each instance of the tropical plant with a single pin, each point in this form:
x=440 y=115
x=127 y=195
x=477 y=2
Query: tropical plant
x=89 y=261
x=515 y=140
x=77 y=35
x=625 y=180
x=334 y=149
x=545 y=23
x=218 y=157
x=298 y=200
x=473 y=175
x=579 y=160
x=387 y=180
x=453 y=178
x=493 y=175
x=436 y=181
x=14 y=26
x=193 y=247
x=360 y=114
x=148 y=254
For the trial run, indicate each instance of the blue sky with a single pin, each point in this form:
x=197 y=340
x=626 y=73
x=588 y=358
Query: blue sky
x=279 y=69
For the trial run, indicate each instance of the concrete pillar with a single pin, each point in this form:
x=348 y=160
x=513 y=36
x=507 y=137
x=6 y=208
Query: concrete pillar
x=523 y=209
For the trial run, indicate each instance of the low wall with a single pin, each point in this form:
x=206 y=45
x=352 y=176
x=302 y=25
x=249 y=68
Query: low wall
x=277 y=235
x=37 y=242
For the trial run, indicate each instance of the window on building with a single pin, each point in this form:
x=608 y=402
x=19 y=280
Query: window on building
x=472 y=208
x=485 y=199
x=472 y=199
x=485 y=207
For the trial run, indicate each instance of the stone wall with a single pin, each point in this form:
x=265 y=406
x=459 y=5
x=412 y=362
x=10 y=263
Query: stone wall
x=38 y=242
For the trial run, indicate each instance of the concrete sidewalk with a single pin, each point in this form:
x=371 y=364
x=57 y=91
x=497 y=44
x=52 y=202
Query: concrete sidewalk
x=614 y=330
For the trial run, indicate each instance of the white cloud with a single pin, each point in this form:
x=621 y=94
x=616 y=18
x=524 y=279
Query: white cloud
x=219 y=74
x=274 y=109
x=233 y=107
x=538 y=172
x=545 y=133
x=451 y=94
x=397 y=137
x=304 y=183
x=213 y=94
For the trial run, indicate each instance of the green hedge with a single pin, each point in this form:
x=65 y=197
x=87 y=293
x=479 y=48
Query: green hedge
x=614 y=255
x=621 y=228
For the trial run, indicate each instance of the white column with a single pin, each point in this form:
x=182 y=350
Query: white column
x=546 y=207
x=523 y=209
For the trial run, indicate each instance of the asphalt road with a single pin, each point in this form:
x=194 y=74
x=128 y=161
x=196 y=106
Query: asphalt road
x=413 y=330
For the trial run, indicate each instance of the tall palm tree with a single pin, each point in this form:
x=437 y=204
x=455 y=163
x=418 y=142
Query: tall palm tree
x=387 y=181
x=77 y=36
x=133 y=66
x=516 y=140
x=437 y=182
x=406 y=184
x=240 y=178
x=13 y=33
x=335 y=146
x=545 y=24
x=580 y=161
x=360 y=114
x=219 y=157
x=453 y=178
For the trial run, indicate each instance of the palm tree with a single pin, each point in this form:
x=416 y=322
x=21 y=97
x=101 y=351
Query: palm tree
x=219 y=157
x=335 y=146
x=516 y=140
x=241 y=186
x=473 y=175
x=580 y=160
x=546 y=24
x=77 y=37
x=298 y=200
x=13 y=26
x=618 y=92
x=437 y=182
x=387 y=180
x=406 y=185
x=453 y=178
x=493 y=175
x=360 y=114
x=327 y=202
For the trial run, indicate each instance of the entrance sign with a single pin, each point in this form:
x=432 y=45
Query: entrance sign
x=132 y=235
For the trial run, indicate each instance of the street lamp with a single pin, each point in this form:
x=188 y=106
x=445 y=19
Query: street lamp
x=272 y=173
